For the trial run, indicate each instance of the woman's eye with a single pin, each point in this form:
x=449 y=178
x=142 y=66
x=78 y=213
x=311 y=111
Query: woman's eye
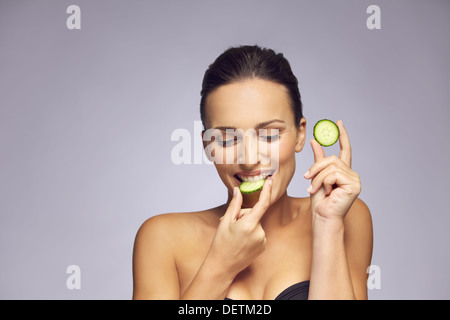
x=228 y=142
x=270 y=138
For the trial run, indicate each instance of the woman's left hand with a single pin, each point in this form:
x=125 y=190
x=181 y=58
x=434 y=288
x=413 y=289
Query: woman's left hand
x=334 y=185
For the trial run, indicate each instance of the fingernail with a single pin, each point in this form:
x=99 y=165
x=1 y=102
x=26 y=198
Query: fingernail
x=234 y=191
x=306 y=174
x=310 y=188
x=270 y=182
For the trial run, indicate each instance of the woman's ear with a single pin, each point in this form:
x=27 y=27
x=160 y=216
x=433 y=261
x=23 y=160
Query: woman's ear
x=301 y=135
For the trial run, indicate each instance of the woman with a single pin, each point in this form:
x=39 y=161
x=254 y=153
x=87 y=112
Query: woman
x=266 y=245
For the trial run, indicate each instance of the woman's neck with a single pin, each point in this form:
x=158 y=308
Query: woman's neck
x=278 y=214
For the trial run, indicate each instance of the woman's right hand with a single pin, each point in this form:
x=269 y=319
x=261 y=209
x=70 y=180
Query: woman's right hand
x=239 y=237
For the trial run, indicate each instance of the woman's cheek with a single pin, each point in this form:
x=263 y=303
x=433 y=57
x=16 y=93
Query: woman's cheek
x=282 y=152
x=286 y=153
x=286 y=161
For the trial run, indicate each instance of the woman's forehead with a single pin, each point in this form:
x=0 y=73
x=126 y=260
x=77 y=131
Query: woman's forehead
x=247 y=102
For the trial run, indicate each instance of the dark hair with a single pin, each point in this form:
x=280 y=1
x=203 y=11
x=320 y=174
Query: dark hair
x=250 y=62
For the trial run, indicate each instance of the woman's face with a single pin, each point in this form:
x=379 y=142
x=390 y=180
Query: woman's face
x=251 y=134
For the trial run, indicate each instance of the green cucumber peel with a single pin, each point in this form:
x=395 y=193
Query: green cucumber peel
x=247 y=187
x=326 y=132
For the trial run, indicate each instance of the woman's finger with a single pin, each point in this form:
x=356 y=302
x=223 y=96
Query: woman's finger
x=345 y=153
x=234 y=207
x=243 y=212
x=319 y=154
x=328 y=178
x=263 y=203
x=324 y=163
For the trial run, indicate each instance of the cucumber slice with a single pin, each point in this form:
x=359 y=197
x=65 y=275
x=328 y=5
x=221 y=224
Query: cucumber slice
x=247 y=187
x=326 y=132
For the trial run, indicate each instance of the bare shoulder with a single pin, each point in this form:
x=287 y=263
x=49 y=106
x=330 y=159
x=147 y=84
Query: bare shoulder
x=161 y=242
x=173 y=226
x=358 y=226
x=359 y=216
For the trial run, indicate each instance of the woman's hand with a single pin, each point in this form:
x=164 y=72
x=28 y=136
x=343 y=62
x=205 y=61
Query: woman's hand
x=334 y=186
x=239 y=237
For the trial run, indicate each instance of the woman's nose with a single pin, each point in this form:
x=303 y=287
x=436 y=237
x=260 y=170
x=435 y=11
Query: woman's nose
x=248 y=150
x=253 y=151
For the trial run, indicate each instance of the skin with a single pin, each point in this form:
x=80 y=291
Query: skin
x=254 y=247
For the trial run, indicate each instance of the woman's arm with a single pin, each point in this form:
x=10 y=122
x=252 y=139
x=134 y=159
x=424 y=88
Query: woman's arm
x=342 y=252
x=358 y=238
x=211 y=282
x=342 y=227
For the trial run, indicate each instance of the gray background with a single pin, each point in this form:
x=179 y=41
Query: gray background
x=86 y=118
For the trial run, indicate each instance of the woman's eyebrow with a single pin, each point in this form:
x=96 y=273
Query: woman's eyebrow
x=224 y=128
x=266 y=123
x=258 y=126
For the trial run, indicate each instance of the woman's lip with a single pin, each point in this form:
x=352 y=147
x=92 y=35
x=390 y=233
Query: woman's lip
x=255 y=173
x=237 y=179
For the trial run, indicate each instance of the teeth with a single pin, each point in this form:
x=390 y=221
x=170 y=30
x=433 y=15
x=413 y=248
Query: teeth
x=253 y=178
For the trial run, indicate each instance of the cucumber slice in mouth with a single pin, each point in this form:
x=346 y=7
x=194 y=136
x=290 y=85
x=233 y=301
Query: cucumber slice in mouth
x=326 y=132
x=247 y=187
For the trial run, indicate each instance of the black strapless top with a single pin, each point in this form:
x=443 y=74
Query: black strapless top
x=298 y=291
